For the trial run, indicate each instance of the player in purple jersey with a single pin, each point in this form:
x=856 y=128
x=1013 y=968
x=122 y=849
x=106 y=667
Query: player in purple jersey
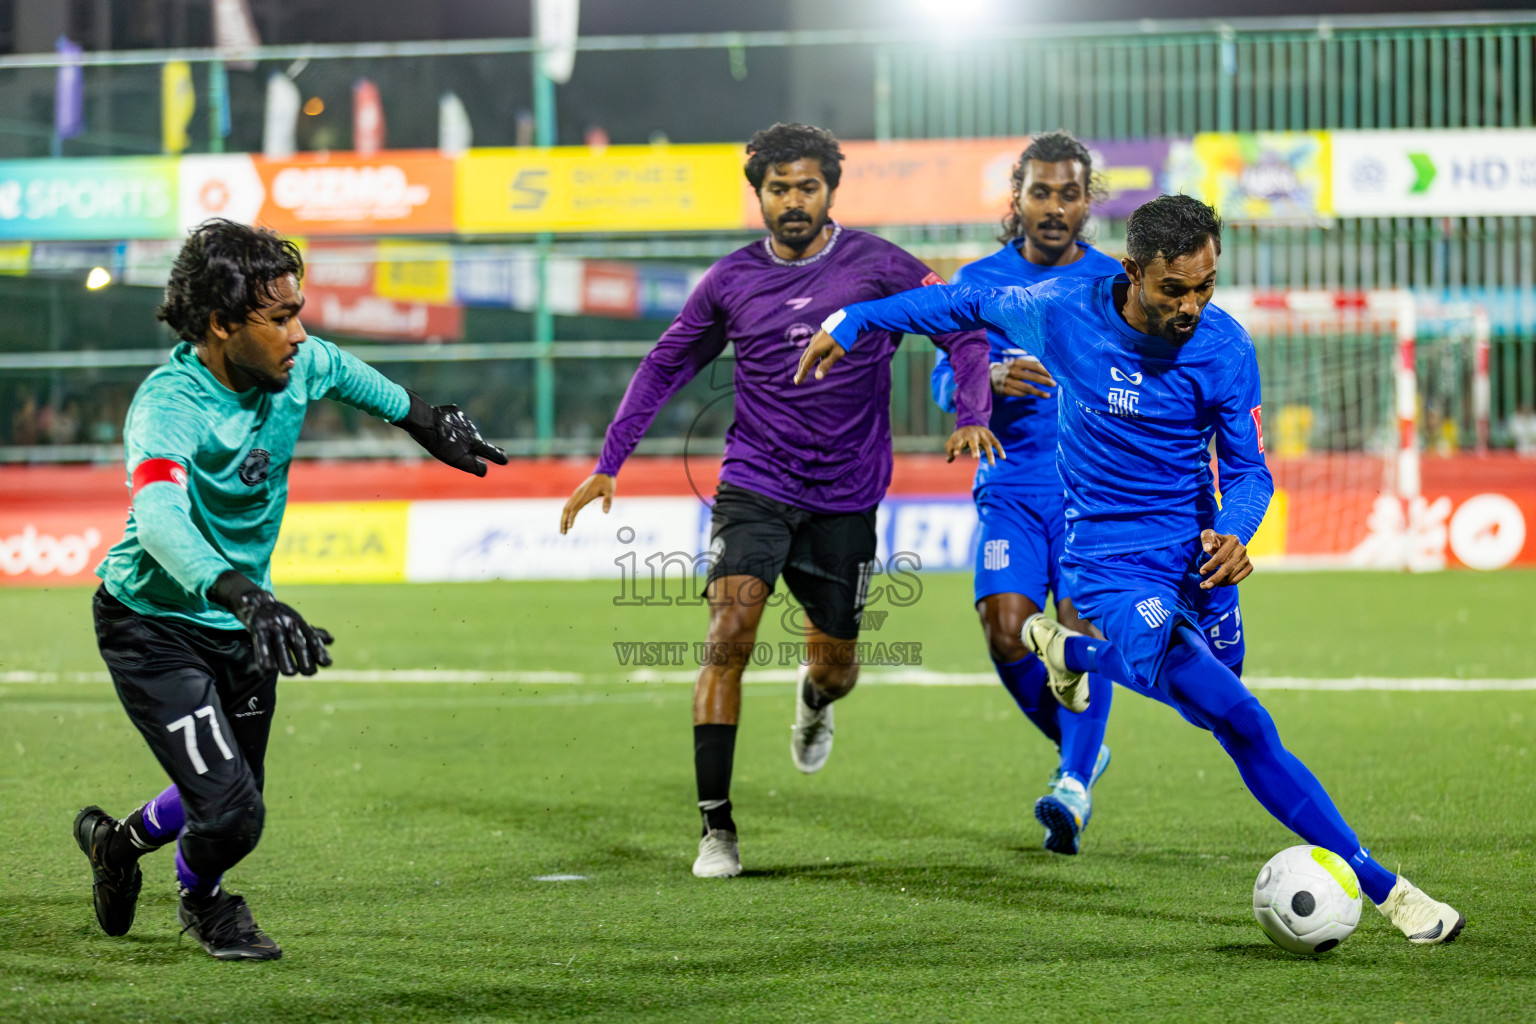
x=804 y=468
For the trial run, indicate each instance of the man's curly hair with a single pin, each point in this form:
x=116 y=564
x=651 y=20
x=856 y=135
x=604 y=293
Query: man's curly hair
x=225 y=270
x=786 y=143
x=1169 y=227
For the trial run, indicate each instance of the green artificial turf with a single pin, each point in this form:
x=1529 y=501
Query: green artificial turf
x=408 y=824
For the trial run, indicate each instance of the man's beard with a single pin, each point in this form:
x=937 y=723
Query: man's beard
x=803 y=242
x=1163 y=327
x=263 y=381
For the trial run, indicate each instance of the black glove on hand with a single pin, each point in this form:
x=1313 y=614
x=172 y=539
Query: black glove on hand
x=283 y=640
x=449 y=435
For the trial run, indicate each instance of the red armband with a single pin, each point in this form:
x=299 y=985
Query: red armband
x=153 y=471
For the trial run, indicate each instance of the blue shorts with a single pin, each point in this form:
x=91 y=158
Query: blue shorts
x=1137 y=599
x=1021 y=544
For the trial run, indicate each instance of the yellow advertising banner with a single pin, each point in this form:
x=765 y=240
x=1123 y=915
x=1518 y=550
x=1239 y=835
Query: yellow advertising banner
x=1257 y=177
x=415 y=272
x=620 y=188
x=342 y=542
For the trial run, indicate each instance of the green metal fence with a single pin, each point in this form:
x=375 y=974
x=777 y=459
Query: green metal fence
x=1171 y=80
x=1122 y=81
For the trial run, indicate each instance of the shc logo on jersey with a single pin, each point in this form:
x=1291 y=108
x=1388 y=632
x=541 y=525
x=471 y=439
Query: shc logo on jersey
x=1123 y=401
x=1115 y=373
x=1153 y=611
x=995 y=555
x=254 y=469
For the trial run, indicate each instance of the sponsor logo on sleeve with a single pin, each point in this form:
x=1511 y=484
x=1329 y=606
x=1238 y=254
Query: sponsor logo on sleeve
x=1258 y=425
x=932 y=278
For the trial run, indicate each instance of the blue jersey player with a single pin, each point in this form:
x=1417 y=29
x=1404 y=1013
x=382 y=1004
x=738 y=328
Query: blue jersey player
x=1019 y=500
x=1149 y=374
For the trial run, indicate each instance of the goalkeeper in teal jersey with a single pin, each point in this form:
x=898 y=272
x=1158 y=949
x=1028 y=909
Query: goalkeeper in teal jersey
x=185 y=616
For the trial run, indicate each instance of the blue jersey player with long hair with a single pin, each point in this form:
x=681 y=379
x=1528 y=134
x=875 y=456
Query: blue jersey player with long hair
x=1019 y=499
x=1149 y=374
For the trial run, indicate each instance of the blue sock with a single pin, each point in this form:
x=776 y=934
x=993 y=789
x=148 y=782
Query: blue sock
x=1082 y=734
x=1025 y=680
x=1209 y=694
x=1090 y=654
x=193 y=884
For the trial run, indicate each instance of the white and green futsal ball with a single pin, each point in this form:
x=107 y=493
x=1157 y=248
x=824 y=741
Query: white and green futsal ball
x=1307 y=899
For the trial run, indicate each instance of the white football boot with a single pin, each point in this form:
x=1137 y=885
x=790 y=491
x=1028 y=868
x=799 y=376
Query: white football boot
x=810 y=741
x=1047 y=639
x=719 y=855
x=1424 y=920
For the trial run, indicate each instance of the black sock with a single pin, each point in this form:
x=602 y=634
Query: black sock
x=714 y=748
x=814 y=698
x=130 y=840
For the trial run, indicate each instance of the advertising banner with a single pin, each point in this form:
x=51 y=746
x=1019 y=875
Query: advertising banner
x=968 y=181
x=404 y=192
x=342 y=542
x=415 y=272
x=521 y=539
x=1130 y=173
x=420 y=522
x=106 y=198
x=53 y=547
x=1256 y=177
x=1434 y=173
x=621 y=188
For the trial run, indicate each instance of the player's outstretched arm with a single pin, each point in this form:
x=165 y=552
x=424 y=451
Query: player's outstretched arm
x=449 y=435
x=282 y=639
x=598 y=485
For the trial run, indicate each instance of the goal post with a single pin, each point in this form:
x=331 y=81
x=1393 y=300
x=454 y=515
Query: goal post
x=1354 y=382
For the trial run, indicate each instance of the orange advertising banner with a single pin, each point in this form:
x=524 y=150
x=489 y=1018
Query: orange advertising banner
x=918 y=181
x=403 y=191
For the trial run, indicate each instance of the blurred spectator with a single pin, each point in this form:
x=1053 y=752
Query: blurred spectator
x=62 y=424
x=1522 y=427
x=24 y=428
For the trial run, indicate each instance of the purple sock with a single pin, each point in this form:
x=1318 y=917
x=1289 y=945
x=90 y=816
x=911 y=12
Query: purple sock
x=163 y=816
x=1083 y=733
x=1025 y=681
x=193 y=884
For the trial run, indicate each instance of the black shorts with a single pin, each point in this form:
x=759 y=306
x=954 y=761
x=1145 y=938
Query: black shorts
x=826 y=558
x=199 y=699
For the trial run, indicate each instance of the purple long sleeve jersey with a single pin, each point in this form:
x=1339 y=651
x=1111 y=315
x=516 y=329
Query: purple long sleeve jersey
x=824 y=445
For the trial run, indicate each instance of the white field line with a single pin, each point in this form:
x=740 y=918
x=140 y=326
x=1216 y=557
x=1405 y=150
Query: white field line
x=900 y=677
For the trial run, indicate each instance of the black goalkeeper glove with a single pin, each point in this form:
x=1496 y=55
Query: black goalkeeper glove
x=449 y=435
x=283 y=640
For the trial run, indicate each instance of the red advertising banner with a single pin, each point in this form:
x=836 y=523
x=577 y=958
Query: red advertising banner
x=341 y=295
